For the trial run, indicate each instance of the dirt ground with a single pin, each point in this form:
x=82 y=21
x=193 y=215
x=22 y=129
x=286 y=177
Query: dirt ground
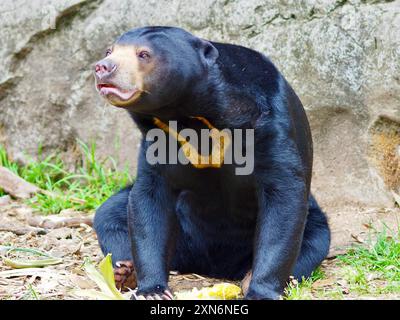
x=349 y=225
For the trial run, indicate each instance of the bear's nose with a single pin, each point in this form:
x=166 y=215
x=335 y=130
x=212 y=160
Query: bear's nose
x=104 y=68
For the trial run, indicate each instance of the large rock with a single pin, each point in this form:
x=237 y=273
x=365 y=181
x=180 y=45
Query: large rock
x=342 y=58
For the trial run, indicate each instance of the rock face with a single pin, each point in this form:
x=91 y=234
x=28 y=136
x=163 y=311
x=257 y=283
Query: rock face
x=342 y=58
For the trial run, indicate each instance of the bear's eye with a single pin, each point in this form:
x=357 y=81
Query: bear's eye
x=108 y=52
x=144 y=55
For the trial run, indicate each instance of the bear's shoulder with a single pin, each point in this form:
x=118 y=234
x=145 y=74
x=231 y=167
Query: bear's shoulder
x=244 y=67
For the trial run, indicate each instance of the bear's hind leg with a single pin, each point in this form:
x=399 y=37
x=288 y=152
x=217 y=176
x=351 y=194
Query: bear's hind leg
x=111 y=226
x=316 y=241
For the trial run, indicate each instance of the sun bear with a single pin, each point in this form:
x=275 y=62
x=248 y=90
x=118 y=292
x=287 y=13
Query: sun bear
x=209 y=219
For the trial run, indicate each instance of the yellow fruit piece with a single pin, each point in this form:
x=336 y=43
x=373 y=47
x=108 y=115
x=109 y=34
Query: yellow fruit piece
x=220 y=291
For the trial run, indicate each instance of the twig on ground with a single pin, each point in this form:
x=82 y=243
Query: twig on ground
x=19 y=231
x=29 y=272
x=193 y=275
x=15 y=185
x=396 y=197
x=55 y=222
x=5 y=200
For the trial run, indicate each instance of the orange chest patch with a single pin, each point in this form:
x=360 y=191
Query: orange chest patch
x=221 y=140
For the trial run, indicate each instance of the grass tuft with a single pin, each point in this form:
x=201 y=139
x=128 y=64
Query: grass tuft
x=378 y=264
x=303 y=290
x=83 y=189
x=370 y=269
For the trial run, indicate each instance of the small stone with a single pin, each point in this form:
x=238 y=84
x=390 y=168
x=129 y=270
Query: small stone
x=5 y=200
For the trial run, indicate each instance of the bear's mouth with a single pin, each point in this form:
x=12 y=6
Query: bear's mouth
x=107 y=89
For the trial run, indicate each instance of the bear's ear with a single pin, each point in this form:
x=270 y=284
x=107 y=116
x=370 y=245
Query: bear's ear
x=208 y=52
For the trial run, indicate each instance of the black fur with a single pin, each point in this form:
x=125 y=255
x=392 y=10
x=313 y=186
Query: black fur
x=211 y=221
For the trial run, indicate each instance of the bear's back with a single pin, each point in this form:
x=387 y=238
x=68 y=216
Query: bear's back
x=247 y=69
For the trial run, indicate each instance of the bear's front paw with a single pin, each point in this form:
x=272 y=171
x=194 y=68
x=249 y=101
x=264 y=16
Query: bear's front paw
x=263 y=294
x=159 y=293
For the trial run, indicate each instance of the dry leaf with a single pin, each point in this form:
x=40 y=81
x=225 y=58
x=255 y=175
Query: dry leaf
x=323 y=283
x=81 y=282
x=357 y=238
x=104 y=280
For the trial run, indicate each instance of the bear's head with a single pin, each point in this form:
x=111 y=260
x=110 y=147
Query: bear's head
x=152 y=67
